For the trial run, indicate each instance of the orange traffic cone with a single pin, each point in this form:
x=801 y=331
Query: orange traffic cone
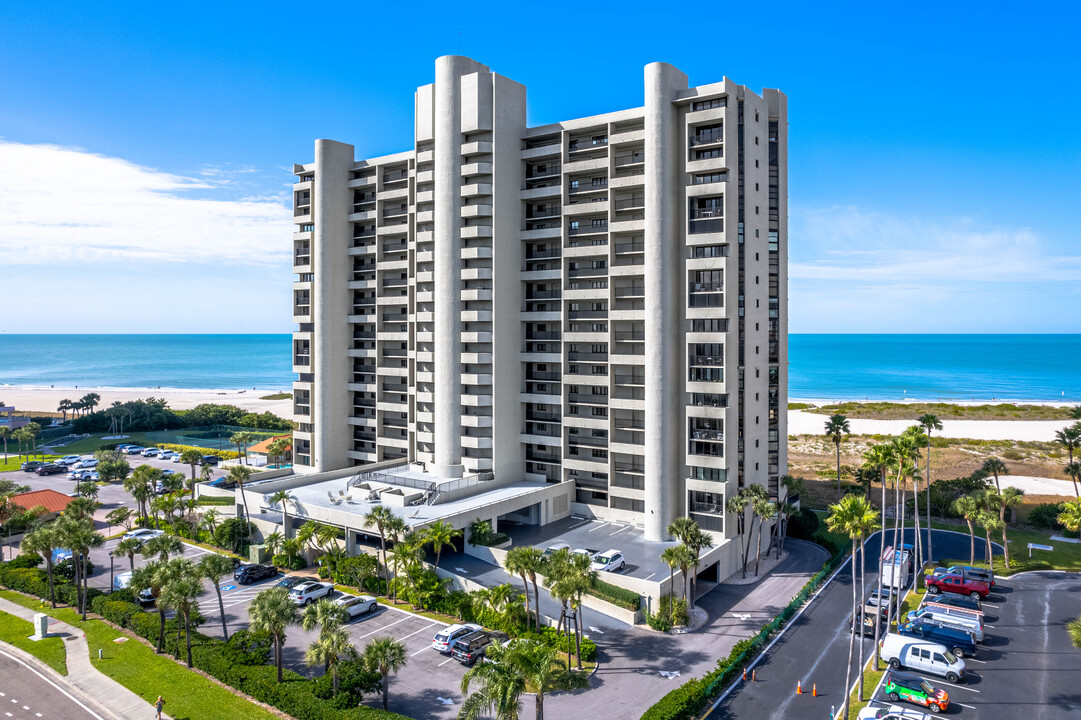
x=754 y=675
x=814 y=689
x=799 y=688
x=744 y=674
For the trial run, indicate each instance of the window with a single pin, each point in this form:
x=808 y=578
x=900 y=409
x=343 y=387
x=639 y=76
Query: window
x=708 y=154
x=710 y=251
x=711 y=325
x=574 y=184
x=599 y=284
x=703 y=178
x=599 y=222
x=599 y=264
x=600 y=412
x=708 y=104
x=599 y=369
x=598 y=306
x=599 y=182
x=574 y=224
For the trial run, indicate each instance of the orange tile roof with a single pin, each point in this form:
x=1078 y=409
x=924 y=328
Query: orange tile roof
x=52 y=500
x=265 y=445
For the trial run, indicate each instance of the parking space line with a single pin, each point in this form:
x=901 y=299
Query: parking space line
x=418 y=652
x=970 y=707
x=409 y=614
x=625 y=527
x=445 y=661
x=373 y=632
x=647 y=577
x=983 y=605
x=403 y=639
x=972 y=659
x=959 y=687
x=599 y=527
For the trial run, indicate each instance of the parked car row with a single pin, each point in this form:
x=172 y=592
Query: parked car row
x=934 y=639
x=607 y=561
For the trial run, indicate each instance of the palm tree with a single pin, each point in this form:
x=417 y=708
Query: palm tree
x=78 y=535
x=90 y=401
x=929 y=423
x=988 y=519
x=1070 y=517
x=384 y=655
x=146 y=577
x=836 y=429
x=240 y=474
x=192 y=457
x=1074 y=471
x=242 y=440
x=440 y=534
x=279 y=448
x=379 y=516
x=127 y=548
x=994 y=466
x=43 y=541
x=867 y=524
x=184 y=586
x=324 y=615
x=82 y=508
x=397 y=532
x=851 y=516
x=141 y=484
x=535 y=663
x=64 y=406
x=524 y=561
x=272 y=611
x=164 y=546
x=1007 y=499
x=968 y=507
x=737 y=505
x=282 y=498
x=329 y=650
x=690 y=534
x=1069 y=437
x=214 y=567
x=5 y=433
x=763 y=510
x=784 y=512
x=500 y=687
x=671 y=557
x=407 y=554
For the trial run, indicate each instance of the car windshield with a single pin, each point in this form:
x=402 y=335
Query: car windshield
x=950 y=657
x=602 y=560
x=926 y=687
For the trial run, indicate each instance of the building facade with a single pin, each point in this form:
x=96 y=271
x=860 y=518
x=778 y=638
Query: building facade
x=602 y=300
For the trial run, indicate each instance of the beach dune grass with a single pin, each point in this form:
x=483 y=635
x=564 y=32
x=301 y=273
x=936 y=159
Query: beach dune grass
x=16 y=631
x=944 y=411
x=135 y=666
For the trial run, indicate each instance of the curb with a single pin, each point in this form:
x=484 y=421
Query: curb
x=56 y=680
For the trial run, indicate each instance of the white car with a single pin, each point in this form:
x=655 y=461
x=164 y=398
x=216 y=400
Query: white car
x=150 y=452
x=444 y=639
x=143 y=534
x=168 y=471
x=68 y=460
x=83 y=475
x=609 y=561
x=583 y=552
x=176 y=458
x=893 y=712
x=309 y=592
x=85 y=464
x=166 y=454
x=134 y=449
x=553 y=549
x=357 y=605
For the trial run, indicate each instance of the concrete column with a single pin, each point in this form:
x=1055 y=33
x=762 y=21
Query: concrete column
x=664 y=295
x=448 y=265
x=331 y=204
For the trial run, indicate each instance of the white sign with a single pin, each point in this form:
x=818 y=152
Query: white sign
x=1036 y=546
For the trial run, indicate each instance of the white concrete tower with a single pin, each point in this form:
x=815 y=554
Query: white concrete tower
x=664 y=360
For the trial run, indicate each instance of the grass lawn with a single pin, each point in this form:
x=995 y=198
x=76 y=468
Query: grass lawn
x=1065 y=556
x=945 y=411
x=16 y=631
x=94 y=442
x=138 y=668
x=14 y=461
x=210 y=500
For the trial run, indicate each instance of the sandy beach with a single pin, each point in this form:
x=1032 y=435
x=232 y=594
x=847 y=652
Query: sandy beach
x=807 y=423
x=47 y=398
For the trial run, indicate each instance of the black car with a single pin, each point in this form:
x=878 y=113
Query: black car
x=210 y=460
x=467 y=650
x=958 y=601
x=291 y=581
x=31 y=465
x=51 y=469
x=247 y=574
x=958 y=642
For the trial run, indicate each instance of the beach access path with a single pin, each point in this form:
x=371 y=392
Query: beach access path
x=806 y=423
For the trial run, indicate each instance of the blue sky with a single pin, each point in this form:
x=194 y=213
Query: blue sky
x=935 y=157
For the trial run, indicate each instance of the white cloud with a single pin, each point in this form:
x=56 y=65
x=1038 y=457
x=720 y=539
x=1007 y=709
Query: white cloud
x=880 y=249
x=67 y=205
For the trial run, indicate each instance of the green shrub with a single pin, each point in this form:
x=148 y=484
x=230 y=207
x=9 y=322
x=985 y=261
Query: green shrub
x=25 y=560
x=223 y=454
x=247 y=647
x=562 y=642
x=622 y=597
x=1044 y=515
x=684 y=703
x=353 y=683
x=803 y=525
x=281 y=560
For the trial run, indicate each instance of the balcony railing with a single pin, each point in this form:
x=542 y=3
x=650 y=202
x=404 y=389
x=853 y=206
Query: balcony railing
x=550 y=170
x=630 y=335
x=302 y=260
x=586 y=186
x=395 y=176
x=541 y=335
x=628 y=203
x=707 y=138
x=542 y=376
x=534 y=214
x=709 y=508
x=588 y=399
x=707 y=360
x=395 y=212
x=630 y=467
x=631 y=291
x=630 y=379
x=538 y=416
x=712 y=435
x=301 y=310
x=540 y=254
x=542 y=295
x=304 y=360
x=601 y=227
x=633 y=247
x=633 y=158
x=587 y=143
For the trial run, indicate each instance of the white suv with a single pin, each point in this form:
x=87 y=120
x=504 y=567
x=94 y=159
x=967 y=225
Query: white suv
x=444 y=639
x=309 y=592
x=608 y=561
x=68 y=460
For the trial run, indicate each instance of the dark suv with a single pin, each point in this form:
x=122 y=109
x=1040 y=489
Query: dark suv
x=246 y=574
x=958 y=642
x=210 y=460
x=31 y=465
x=470 y=648
x=51 y=469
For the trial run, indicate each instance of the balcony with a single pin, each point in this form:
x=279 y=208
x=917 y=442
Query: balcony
x=630 y=335
x=541 y=335
x=632 y=380
x=542 y=254
x=632 y=158
x=709 y=137
x=302 y=260
x=550 y=212
x=709 y=435
x=630 y=467
x=630 y=203
x=706 y=360
x=395 y=176
x=631 y=291
x=706 y=221
x=582 y=144
x=593 y=228
x=587 y=186
x=547 y=170
x=302 y=360
x=631 y=247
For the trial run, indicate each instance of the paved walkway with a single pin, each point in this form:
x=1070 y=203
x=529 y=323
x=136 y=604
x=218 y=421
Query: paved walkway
x=93 y=686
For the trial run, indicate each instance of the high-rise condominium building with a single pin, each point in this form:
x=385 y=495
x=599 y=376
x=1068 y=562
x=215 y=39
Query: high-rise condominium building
x=602 y=300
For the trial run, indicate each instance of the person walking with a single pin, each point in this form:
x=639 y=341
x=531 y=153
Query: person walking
x=158 y=705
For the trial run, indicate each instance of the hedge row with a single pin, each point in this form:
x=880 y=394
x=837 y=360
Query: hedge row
x=241 y=663
x=223 y=454
x=691 y=699
x=626 y=599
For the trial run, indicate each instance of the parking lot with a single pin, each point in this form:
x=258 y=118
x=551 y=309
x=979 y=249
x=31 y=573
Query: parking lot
x=643 y=558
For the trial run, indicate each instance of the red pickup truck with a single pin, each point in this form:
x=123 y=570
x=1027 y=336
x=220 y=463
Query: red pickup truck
x=954 y=583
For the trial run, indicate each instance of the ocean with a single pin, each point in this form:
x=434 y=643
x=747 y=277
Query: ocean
x=831 y=367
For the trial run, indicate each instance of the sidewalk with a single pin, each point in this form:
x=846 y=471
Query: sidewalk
x=82 y=676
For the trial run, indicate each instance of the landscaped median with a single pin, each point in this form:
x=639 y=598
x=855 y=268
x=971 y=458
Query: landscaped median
x=872 y=677
x=16 y=631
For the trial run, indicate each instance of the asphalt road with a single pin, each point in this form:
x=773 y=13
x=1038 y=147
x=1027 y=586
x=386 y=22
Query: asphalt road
x=814 y=650
x=25 y=694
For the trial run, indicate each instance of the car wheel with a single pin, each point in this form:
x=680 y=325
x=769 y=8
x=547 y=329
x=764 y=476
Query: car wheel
x=307 y=602
x=932 y=590
x=371 y=608
x=959 y=652
x=622 y=566
x=974 y=595
x=935 y=709
x=894 y=697
x=952 y=677
x=895 y=663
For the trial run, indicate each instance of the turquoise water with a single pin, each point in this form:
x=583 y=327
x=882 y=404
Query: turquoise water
x=875 y=367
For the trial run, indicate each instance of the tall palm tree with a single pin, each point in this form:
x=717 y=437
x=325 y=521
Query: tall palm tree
x=1069 y=437
x=184 y=586
x=64 y=407
x=918 y=438
x=163 y=546
x=214 y=567
x=687 y=531
x=329 y=650
x=242 y=440
x=929 y=423
x=146 y=577
x=192 y=458
x=128 y=547
x=407 y=554
x=5 y=434
x=991 y=524
x=278 y=449
x=378 y=517
x=440 y=534
x=398 y=532
x=968 y=507
x=867 y=524
x=78 y=535
x=836 y=429
x=500 y=687
x=1074 y=471
x=763 y=510
x=324 y=615
x=850 y=516
x=44 y=540
x=384 y=655
x=994 y=466
x=273 y=611
x=240 y=474
x=90 y=401
x=737 y=505
x=671 y=558
x=141 y=484
x=525 y=561
x=535 y=663
x=1003 y=501
x=82 y=508
x=283 y=498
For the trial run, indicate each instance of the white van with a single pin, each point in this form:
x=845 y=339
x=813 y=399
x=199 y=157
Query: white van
x=915 y=654
x=970 y=624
